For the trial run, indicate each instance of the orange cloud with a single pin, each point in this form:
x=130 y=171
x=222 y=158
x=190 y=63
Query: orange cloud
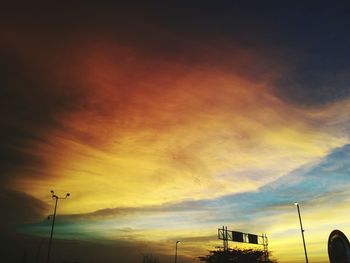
x=149 y=132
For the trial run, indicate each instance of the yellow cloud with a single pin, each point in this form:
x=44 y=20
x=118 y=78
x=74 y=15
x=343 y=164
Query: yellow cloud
x=202 y=136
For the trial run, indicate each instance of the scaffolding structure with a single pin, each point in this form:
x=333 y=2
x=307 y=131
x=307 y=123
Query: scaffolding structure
x=235 y=236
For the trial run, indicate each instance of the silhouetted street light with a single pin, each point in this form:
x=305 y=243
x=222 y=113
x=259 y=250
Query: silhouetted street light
x=302 y=231
x=177 y=242
x=53 y=221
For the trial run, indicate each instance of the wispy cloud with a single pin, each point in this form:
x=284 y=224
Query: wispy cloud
x=321 y=188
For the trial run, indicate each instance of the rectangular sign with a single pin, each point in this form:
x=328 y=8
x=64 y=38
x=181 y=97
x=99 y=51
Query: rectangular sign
x=237 y=236
x=253 y=239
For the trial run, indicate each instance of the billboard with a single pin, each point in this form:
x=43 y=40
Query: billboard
x=237 y=236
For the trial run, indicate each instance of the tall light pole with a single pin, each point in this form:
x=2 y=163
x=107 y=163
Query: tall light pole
x=302 y=232
x=53 y=196
x=177 y=242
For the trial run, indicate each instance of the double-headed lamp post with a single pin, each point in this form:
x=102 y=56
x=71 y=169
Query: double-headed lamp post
x=302 y=232
x=177 y=242
x=53 y=196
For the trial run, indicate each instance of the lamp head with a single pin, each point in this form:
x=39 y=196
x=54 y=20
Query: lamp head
x=296 y=203
x=68 y=194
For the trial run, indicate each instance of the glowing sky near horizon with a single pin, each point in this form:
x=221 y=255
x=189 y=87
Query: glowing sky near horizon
x=161 y=134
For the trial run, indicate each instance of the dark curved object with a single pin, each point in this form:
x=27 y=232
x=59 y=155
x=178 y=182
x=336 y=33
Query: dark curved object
x=338 y=247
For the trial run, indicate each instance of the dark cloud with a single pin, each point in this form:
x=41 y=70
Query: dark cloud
x=29 y=109
x=108 y=213
x=319 y=70
x=309 y=37
x=17 y=115
x=317 y=80
x=19 y=208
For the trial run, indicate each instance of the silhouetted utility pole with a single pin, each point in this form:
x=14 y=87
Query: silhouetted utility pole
x=302 y=232
x=53 y=221
x=177 y=242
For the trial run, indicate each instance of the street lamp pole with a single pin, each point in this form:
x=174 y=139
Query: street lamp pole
x=53 y=196
x=302 y=232
x=177 y=242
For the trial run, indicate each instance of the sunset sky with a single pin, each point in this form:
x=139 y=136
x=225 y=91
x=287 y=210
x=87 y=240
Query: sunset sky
x=166 y=120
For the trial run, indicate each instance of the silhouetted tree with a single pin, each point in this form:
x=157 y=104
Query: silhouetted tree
x=150 y=259
x=235 y=256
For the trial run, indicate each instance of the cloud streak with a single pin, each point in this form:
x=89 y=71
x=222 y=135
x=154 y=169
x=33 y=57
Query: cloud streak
x=320 y=188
